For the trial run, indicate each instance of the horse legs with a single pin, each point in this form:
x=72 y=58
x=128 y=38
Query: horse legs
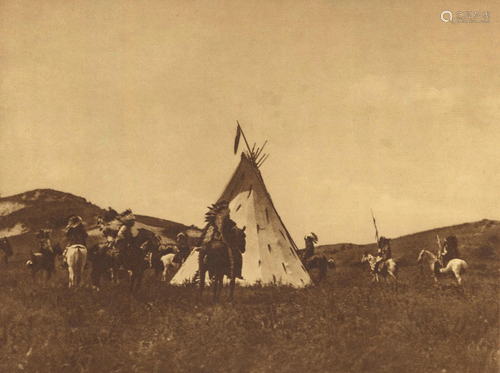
x=202 y=274
x=140 y=275
x=218 y=284
x=95 y=277
x=165 y=273
x=71 y=277
x=231 y=291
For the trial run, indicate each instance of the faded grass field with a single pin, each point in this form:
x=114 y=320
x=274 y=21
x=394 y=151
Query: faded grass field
x=345 y=324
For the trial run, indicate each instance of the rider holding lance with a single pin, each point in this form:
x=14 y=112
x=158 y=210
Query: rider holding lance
x=384 y=252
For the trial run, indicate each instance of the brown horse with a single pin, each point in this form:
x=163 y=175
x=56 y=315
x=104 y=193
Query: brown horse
x=319 y=262
x=45 y=261
x=222 y=246
x=133 y=259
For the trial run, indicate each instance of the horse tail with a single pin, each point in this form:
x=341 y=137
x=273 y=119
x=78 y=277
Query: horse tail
x=465 y=266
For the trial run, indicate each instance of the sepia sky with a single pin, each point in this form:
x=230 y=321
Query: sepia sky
x=364 y=104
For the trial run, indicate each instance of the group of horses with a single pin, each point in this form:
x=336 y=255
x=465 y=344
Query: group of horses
x=219 y=255
x=145 y=252
x=390 y=268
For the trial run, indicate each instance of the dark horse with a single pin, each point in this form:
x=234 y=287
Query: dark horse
x=6 y=247
x=45 y=261
x=319 y=262
x=222 y=246
x=133 y=259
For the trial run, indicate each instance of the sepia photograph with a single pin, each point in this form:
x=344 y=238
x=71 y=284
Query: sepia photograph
x=256 y=186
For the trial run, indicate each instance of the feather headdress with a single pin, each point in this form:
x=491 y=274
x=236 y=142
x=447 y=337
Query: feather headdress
x=215 y=218
x=311 y=236
x=127 y=216
x=73 y=222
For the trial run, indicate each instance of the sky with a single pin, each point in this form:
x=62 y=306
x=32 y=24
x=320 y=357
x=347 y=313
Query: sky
x=364 y=106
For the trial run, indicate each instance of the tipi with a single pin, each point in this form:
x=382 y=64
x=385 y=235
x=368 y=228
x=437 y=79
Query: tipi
x=271 y=256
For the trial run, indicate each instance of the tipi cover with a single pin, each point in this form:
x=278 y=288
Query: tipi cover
x=271 y=255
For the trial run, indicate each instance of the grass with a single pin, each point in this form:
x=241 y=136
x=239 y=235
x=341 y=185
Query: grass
x=346 y=324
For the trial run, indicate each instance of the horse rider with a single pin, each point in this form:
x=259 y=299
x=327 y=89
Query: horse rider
x=235 y=253
x=110 y=236
x=124 y=237
x=182 y=245
x=44 y=245
x=76 y=235
x=384 y=252
x=450 y=249
x=310 y=240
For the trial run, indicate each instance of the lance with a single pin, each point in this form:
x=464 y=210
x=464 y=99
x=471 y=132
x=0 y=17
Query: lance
x=440 y=249
x=376 y=230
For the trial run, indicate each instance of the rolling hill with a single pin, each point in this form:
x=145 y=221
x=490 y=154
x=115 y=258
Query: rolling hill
x=477 y=241
x=22 y=215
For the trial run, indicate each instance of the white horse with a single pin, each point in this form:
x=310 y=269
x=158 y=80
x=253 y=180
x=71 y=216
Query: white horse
x=388 y=268
x=455 y=266
x=168 y=263
x=76 y=256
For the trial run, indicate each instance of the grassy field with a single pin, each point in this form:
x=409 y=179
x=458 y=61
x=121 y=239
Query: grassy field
x=345 y=324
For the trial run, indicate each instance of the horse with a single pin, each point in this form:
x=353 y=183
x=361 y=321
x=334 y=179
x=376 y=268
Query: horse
x=155 y=260
x=319 y=262
x=6 y=247
x=222 y=246
x=169 y=262
x=45 y=261
x=101 y=263
x=388 y=268
x=456 y=266
x=76 y=256
x=133 y=258
x=332 y=265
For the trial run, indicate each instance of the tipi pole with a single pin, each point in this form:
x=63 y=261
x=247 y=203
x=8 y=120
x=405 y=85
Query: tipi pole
x=244 y=137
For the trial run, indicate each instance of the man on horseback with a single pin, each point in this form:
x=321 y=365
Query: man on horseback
x=124 y=237
x=182 y=245
x=222 y=245
x=44 y=245
x=310 y=240
x=76 y=235
x=384 y=253
x=449 y=250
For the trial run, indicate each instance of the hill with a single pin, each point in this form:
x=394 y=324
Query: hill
x=22 y=215
x=477 y=240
